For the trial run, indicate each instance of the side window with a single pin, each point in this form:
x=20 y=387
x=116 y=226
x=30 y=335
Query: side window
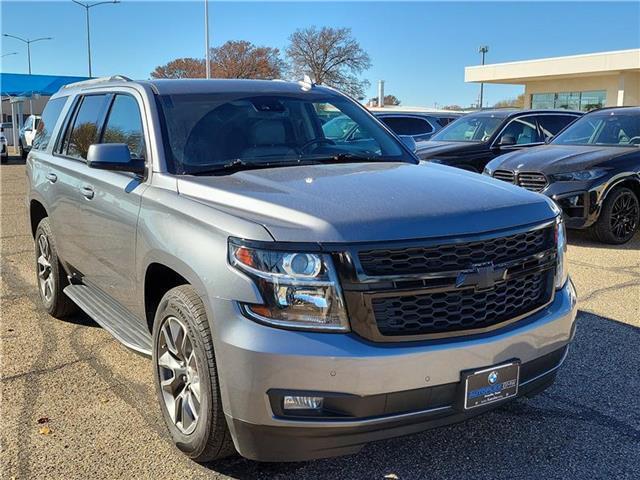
x=520 y=131
x=28 y=125
x=48 y=121
x=85 y=126
x=550 y=125
x=124 y=125
x=408 y=125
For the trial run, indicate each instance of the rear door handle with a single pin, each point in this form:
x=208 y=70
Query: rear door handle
x=87 y=192
x=52 y=177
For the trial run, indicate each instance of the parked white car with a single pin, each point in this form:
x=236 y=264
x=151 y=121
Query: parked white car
x=27 y=132
x=4 y=151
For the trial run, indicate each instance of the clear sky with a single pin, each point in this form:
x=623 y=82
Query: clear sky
x=419 y=48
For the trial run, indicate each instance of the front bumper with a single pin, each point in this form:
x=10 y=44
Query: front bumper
x=255 y=359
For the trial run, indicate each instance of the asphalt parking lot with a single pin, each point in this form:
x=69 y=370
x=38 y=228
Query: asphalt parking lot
x=77 y=404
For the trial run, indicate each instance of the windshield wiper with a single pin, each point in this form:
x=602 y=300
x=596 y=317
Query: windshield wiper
x=240 y=164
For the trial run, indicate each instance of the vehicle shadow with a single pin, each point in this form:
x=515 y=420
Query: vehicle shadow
x=581 y=238
x=15 y=160
x=585 y=426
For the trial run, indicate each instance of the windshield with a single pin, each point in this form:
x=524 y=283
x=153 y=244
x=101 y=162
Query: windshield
x=612 y=128
x=209 y=131
x=470 y=128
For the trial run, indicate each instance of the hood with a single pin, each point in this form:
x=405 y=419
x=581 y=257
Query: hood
x=552 y=158
x=435 y=149
x=366 y=202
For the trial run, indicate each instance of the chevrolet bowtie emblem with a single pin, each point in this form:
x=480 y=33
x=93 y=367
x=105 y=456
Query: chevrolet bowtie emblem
x=482 y=277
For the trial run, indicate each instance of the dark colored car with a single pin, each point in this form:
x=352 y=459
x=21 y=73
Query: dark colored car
x=591 y=169
x=421 y=126
x=477 y=138
x=418 y=125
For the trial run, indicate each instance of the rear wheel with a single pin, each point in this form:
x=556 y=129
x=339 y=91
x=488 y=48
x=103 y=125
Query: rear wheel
x=22 y=151
x=50 y=274
x=619 y=218
x=186 y=377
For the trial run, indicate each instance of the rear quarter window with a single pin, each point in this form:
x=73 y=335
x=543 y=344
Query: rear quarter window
x=47 y=123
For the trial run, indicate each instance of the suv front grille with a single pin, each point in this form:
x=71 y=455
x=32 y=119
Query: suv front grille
x=454 y=256
x=454 y=287
x=453 y=310
x=533 y=181
x=504 y=175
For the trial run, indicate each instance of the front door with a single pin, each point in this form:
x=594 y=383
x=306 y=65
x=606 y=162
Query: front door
x=111 y=204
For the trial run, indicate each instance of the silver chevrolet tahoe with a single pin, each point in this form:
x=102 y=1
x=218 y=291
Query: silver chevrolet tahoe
x=299 y=296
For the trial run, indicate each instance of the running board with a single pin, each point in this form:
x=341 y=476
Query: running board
x=113 y=318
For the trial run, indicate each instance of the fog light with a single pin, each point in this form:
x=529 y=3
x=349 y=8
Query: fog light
x=302 y=403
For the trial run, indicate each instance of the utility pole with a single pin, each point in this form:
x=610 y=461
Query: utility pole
x=86 y=7
x=28 y=42
x=207 y=60
x=482 y=50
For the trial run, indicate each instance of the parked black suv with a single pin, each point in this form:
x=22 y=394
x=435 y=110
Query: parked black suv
x=591 y=169
x=475 y=139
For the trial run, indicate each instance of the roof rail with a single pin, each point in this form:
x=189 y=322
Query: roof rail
x=96 y=81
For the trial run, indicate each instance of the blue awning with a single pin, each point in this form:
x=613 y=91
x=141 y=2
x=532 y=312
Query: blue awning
x=20 y=84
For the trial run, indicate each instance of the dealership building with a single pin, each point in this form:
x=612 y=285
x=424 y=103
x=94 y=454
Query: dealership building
x=576 y=82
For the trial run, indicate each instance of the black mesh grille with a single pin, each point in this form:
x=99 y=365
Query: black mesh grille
x=458 y=310
x=449 y=257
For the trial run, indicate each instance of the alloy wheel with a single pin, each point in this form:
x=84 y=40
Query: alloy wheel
x=45 y=272
x=624 y=216
x=178 y=373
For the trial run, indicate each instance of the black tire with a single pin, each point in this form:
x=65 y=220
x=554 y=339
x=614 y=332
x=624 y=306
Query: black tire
x=4 y=158
x=56 y=303
x=210 y=440
x=607 y=228
x=23 y=153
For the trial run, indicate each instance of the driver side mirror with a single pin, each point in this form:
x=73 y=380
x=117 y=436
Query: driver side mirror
x=113 y=156
x=507 y=141
x=409 y=142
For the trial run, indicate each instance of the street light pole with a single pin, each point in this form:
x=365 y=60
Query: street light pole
x=28 y=42
x=482 y=50
x=206 y=40
x=86 y=7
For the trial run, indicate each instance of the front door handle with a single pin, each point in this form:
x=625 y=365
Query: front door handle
x=87 y=192
x=52 y=177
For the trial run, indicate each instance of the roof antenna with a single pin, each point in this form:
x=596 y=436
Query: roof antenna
x=306 y=83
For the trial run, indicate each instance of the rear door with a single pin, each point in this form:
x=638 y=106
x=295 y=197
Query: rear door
x=69 y=169
x=111 y=205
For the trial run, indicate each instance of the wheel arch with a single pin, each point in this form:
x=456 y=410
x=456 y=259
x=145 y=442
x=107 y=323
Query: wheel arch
x=630 y=181
x=37 y=212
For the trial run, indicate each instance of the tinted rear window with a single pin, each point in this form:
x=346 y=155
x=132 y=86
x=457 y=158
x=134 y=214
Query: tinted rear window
x=407 y=125
x=48 y=122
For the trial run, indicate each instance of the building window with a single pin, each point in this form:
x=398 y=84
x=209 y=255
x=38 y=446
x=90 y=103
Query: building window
x=583 y=101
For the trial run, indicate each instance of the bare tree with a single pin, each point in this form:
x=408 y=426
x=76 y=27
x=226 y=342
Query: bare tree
x=180 y=68
x=234 y=59
x=330 y=56
x=242 y=59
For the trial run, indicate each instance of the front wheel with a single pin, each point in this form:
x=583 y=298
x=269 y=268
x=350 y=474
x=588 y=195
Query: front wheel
x=186 y=377
x=619 y=218
x=22 y=151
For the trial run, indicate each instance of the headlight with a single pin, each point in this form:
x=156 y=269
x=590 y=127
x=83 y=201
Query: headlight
x=561 y=245
x=579 y=176
x=299 y=289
